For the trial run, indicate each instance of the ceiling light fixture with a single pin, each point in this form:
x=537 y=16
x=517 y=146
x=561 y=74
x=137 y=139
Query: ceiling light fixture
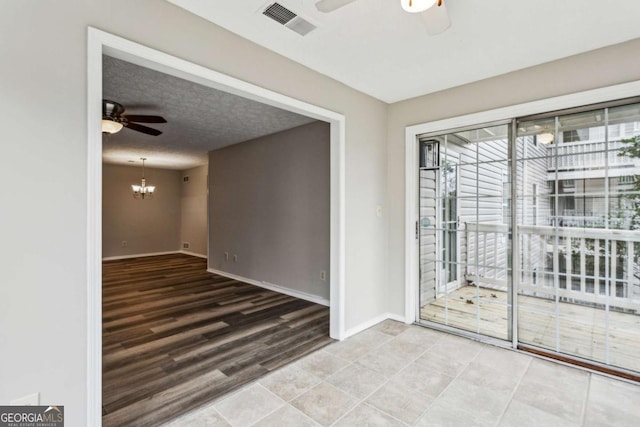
x=545 y=138
x=111 y=126
x=143 y=191
x=417 y=6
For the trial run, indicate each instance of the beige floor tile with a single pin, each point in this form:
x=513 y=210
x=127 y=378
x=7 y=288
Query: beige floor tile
x=520 y=414
x=402 y=349
x=385 y=362
x=289 y=382
x=324 y=403
x=496 y=369
x=357 y=346
x=421 y=336
x=357 y=380
x=321 y=364
x=419 y=378
x=482 y=402
x=503 y=359
x=390 y=327
x=451 y=355
x=400 y=402
x=440 y=414
x=287 y=416
x=208 y=417
x=611 y=399
x=248 y=406
x=365 y=415
x=371 y=336
x=554 y=388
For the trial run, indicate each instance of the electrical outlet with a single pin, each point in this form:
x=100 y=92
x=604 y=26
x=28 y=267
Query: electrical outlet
x=379 y=211
x=30 y=400
x=125 y=243
x=185 y=245
x=235 y=258
x=226 y=256
x=323 y=275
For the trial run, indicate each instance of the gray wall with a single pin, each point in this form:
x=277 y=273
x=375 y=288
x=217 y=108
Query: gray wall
x=599 y=68
x=43 y=115
x=148 y=226
x=193 y=210
x=269 y=205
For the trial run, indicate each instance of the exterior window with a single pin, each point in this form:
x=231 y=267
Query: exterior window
x=577 y=135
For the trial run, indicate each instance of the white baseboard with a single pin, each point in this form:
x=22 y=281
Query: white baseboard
x=112 y=258
x=193 y=254
x=276 y=288
x=372 y=322
x=399 y=318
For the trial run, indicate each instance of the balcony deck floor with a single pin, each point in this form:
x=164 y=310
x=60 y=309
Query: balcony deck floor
x=571 y=329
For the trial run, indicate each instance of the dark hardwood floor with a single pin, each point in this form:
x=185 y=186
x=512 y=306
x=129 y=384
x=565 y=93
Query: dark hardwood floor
x=176 y=337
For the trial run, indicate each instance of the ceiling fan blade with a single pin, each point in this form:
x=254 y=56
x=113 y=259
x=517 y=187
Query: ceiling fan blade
x=143 y=129
x=327 y=6
x=436 y=19
x=140 y=118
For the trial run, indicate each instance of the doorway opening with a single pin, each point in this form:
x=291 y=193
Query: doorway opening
x=100 y=43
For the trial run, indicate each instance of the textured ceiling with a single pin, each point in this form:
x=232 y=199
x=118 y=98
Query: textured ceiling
x=199 y=118
x=377 y=48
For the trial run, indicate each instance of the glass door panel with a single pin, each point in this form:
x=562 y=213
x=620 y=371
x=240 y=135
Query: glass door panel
x=578 y=222
x=464 y=230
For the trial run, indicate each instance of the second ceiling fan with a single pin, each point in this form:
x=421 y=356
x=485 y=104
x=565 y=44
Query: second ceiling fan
x=114 y=119
x=433 y=12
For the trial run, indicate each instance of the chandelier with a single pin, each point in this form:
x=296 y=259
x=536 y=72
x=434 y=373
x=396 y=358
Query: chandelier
x=143 y=191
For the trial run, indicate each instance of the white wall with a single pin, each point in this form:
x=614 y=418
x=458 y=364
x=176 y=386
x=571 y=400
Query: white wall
x=603 y=67
x=193 y=210
x=269 y=206
x=43 y=81
x=148 y=226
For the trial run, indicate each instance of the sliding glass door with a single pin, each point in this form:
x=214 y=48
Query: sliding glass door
x=464 y=230
x=576 y=224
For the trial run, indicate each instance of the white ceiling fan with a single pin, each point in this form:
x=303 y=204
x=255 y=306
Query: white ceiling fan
x=433 y=12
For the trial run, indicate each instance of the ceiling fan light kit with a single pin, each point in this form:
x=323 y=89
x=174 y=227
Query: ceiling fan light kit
x=417 y=6
x=111 y=126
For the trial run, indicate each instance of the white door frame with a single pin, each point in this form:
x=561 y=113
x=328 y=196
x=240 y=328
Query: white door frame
x=411 y=279
x=99 y=43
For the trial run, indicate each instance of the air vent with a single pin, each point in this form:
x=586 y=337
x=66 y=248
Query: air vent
x=289 y=19
x=279 y=13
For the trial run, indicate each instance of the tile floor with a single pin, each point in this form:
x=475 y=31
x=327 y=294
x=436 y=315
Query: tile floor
x=399 y=375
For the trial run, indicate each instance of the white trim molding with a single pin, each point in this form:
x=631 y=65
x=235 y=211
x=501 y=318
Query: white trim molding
x=114 y=258
x=272 y=287
x=99 y=43
x=610 y=93
x=193 y=254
